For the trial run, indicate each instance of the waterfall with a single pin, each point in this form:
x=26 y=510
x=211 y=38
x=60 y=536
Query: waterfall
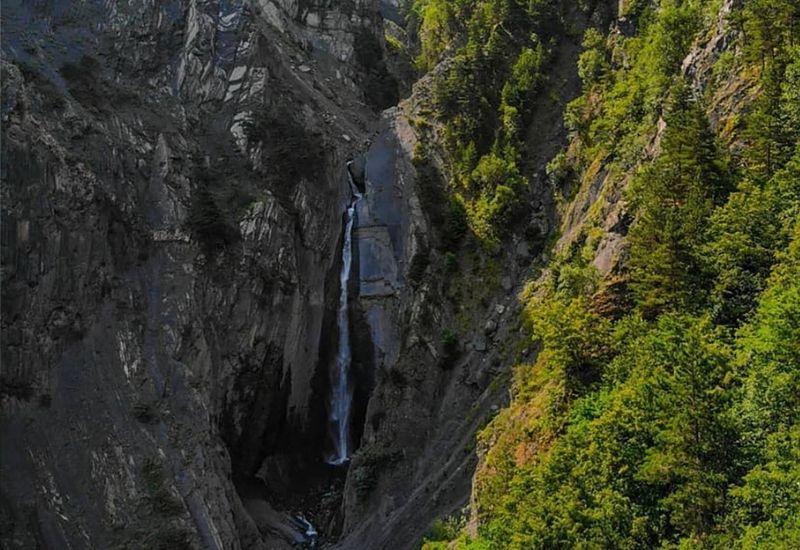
x=309 y=531
x=341 y=396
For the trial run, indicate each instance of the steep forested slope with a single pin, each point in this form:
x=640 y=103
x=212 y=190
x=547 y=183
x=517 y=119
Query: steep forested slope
x=662 y=407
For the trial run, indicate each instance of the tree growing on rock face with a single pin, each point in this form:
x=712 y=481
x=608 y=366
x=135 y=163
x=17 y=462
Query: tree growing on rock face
x=673 y=198
x=496 y=182
x=769 y=26
x=665 y=426
x=485 y=94
x=772 y=128
x=593 y=62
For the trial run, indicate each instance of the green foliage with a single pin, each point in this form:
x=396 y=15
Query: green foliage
x=449 y=339
x=770 y=350
x=211 y=211
x=394 y=44
x=450 y=349
x=440 y=22
x=640 y=461
x=492 y=172
x=771 y=126
x=518 y=94
x=496 y=182
x=673 y=198
x=593 y=63
x=441 y=531
x=766 y=505
x=485 y=94
x=621 y=105
x=768 y=26
x=574 y=339
x=456 y=224
x=746 y=235
x=674 y=424
x=367 y=463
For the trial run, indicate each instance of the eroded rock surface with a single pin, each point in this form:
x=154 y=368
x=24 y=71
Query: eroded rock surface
x=172 y=194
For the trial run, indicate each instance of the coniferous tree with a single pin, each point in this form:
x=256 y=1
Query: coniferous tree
x=673 y=198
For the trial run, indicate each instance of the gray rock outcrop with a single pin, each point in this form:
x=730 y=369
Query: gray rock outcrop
x=171 y=212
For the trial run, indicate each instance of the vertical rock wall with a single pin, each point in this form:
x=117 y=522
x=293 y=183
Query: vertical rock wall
x=166 y=264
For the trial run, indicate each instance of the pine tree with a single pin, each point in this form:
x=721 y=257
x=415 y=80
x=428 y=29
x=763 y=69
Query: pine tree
x=672 y=199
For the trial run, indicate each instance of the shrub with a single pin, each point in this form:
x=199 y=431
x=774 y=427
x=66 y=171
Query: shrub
x=370 y=459
x=456 y=224
x=290 y=151
x=207 y=220
x=450 y=348
x=159 y=497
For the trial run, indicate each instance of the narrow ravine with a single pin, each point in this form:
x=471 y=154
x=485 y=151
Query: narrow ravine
x=341 y=396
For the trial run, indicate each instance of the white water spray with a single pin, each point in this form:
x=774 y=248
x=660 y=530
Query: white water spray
x=341 y=397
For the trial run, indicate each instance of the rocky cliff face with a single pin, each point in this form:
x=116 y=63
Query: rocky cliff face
x=600 y=201
x=431 y=394
x=173 y=189
x=173 y=184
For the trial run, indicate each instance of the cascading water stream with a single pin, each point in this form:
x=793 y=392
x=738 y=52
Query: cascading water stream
x=341 y=397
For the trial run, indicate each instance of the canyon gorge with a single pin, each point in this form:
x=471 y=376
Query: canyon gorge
x=246 y=304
